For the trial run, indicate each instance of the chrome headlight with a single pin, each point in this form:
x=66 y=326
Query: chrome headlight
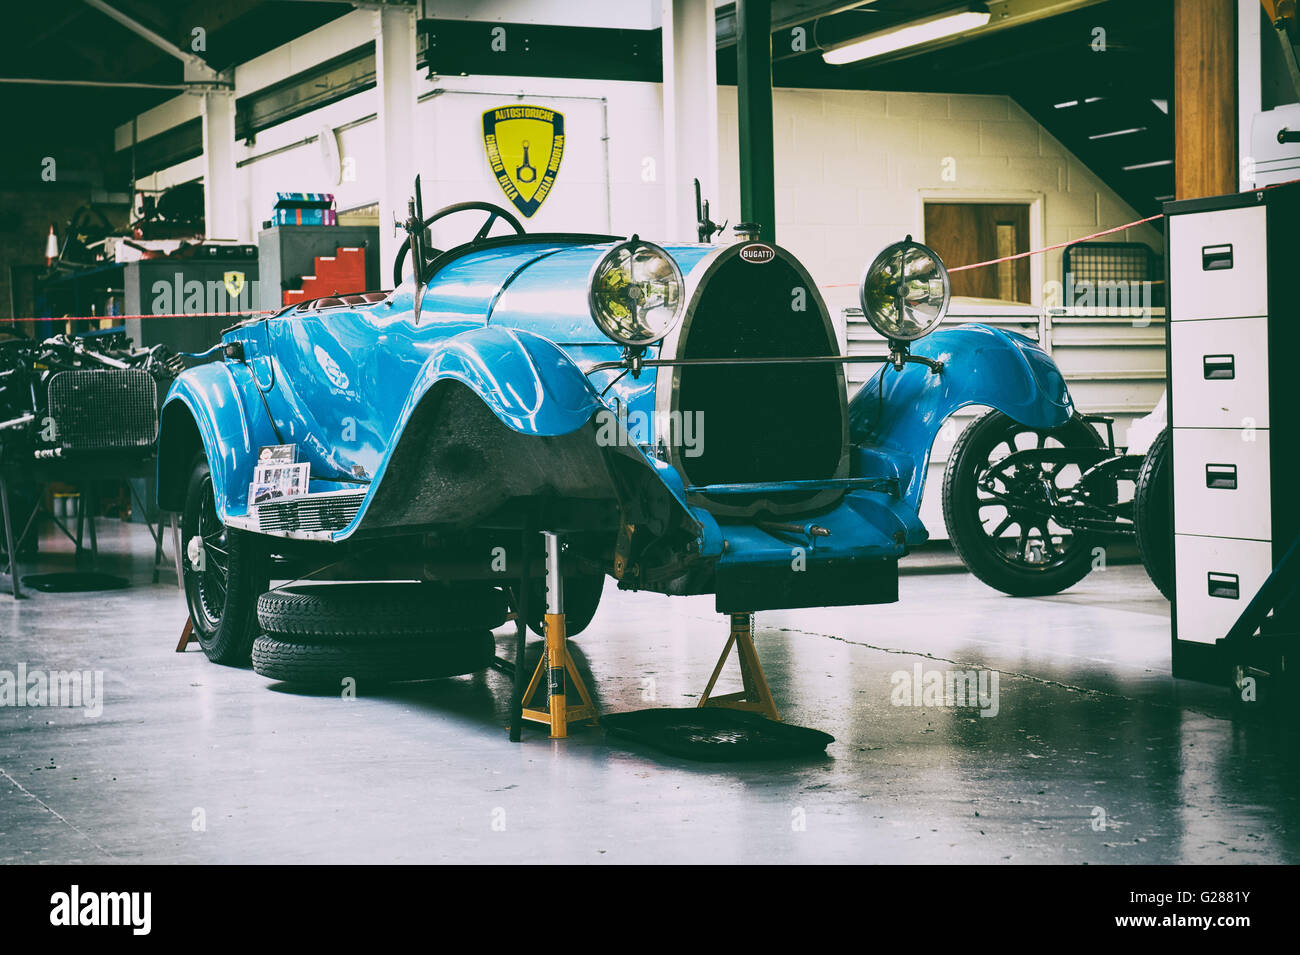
x=636 y=293
x=905 y=291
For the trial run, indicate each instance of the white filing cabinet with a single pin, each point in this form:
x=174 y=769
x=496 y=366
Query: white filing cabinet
x=1234 y=332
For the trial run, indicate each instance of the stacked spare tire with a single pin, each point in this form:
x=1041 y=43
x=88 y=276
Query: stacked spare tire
x=375 y=633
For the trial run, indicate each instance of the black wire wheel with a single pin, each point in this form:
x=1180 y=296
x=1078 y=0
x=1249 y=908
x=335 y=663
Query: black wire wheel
x=224 y=572
x=1003 y=513
x=1152 y=513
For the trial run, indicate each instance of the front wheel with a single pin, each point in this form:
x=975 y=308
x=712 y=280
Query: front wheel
x=225 y=572
x=1001 y=514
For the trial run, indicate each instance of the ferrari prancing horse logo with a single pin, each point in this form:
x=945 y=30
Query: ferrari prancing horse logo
x=234 y=282
x=524 y=147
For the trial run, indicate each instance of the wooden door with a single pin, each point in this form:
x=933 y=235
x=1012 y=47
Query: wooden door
x=966 y=232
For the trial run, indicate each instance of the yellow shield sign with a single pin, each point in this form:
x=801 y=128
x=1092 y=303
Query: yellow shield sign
x=524 y=147
x=234 y=283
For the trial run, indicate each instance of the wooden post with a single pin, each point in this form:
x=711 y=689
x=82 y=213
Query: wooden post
x=1205 y=97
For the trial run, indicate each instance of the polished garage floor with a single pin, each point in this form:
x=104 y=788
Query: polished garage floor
x=1090 y=729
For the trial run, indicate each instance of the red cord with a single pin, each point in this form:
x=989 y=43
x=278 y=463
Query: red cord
x=1021 y=255
x=1059 y=245
x=122 y=318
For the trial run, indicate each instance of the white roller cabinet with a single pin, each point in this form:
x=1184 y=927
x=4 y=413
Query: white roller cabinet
x=1234 y=329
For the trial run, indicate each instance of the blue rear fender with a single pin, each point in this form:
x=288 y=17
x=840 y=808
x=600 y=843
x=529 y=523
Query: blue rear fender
x=895 y=417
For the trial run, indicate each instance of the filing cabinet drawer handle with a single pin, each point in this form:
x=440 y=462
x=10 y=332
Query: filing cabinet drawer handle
x=1215 y=258
x=1222 y=476
x=1215 y=367
x=1227 y=586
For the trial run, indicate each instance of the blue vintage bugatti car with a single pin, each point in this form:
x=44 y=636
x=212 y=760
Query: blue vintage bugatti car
x=678 y=413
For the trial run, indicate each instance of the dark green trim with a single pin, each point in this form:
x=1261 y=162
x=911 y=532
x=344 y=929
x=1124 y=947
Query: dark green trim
x=754 y=75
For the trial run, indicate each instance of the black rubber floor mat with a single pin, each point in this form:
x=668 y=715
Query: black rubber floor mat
x=716 y=734
x=74 y=582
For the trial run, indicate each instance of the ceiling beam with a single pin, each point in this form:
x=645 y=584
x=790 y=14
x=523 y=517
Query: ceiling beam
x=192 y=62
x=116 y=84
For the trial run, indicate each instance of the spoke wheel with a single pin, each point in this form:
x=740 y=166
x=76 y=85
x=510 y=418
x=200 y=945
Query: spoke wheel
x=224 y=574
x=1152 y=517
x=209 y=556
x=1002 y=515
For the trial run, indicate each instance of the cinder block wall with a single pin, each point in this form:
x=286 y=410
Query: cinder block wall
x=850 y=167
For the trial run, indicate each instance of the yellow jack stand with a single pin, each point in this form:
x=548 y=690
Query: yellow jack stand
x=556 y=662
x=756 y=697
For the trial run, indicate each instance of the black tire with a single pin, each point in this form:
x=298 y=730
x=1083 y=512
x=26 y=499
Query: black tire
x=372 y=661
x=581 y=601
x=222 y=586
x=1066 y=556
x=343 y=611
x=1152 y=522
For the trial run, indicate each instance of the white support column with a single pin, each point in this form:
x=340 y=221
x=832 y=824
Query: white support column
x=220 y=208
x=690 y=110
x=395 y=74
x=1249 y=91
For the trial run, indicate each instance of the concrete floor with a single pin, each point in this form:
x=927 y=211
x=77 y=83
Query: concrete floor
x=1089 y=722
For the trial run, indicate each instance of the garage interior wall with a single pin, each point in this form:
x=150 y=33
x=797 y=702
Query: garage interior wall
x=851 y=167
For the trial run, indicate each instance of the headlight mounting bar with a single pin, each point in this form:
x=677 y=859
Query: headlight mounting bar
x=635 y=362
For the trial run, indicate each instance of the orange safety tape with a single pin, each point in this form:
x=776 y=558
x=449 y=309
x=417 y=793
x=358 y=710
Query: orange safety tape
x=122 y=318
x=1062 y=245
x=957 y=268
x=1021 y=255
x=1059 y=245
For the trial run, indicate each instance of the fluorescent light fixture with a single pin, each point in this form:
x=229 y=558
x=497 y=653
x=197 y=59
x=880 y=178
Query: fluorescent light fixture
x=1118 y=132
x=1149 y=165
x=908 y=34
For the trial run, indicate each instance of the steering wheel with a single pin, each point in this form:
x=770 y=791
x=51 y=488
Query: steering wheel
x=494 y=212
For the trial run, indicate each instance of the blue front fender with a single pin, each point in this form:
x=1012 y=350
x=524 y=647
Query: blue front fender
x=527 y=380
x=896 y=415
x=208 y=402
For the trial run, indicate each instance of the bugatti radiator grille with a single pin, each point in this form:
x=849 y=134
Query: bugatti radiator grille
x=108 y=410
x=761 y=422
x=331 y=511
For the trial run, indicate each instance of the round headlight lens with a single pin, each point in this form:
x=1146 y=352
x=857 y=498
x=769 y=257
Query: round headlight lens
x=905 y=291
x=636 y=293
